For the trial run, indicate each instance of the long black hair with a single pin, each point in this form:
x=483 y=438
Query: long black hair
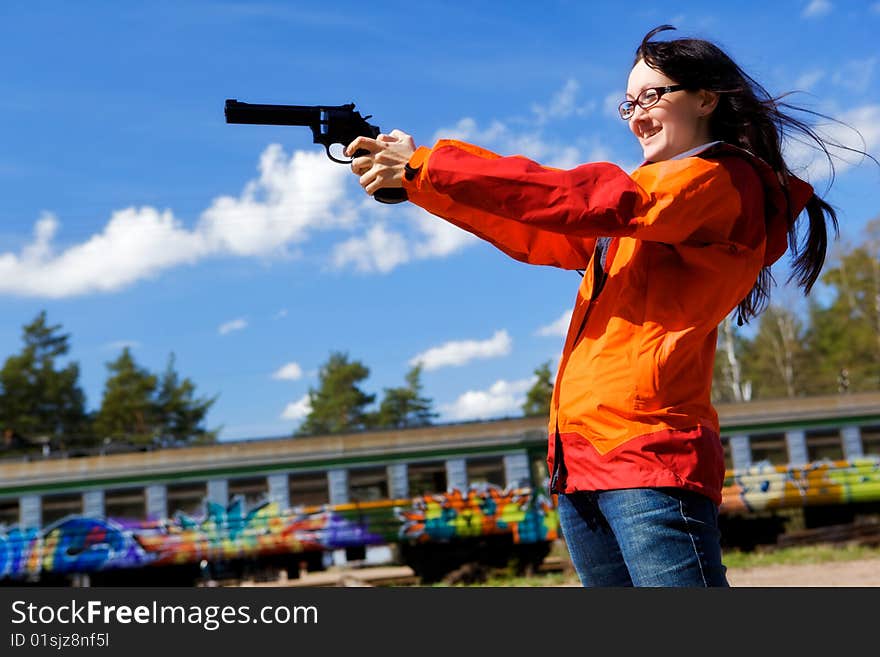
x=749 y=117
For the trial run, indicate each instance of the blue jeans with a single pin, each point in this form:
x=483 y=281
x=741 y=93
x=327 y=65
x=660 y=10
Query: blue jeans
x=643 y=537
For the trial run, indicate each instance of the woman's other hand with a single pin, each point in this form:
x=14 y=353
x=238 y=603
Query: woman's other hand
x=383 y=164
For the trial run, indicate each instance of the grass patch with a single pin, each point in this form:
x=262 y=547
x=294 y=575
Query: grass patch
x=544 y=579
x=733 y=559
x=500 y=579
x=811 y=554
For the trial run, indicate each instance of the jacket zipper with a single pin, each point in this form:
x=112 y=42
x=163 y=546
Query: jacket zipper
x=600 y=275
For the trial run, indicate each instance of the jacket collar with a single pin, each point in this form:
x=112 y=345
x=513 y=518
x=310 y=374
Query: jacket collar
x=782 y=202
x=696 y=151
x=702 y=148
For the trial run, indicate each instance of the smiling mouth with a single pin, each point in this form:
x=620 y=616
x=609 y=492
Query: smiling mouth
x=650 y=133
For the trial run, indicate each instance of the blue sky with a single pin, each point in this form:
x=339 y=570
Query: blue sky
x=134 y=215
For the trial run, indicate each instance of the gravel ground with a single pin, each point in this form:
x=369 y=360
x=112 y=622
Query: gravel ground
x=855 y=573
x=861 y=573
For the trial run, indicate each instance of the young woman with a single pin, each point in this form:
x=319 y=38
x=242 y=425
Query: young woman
x=667 y=252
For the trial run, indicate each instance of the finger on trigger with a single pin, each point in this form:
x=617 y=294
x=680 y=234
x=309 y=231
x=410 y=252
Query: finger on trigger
x=356 y=145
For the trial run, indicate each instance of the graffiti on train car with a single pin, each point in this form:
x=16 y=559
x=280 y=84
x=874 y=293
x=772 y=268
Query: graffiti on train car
x=766 y=487
x=232 y=532
x=481 y=511
x=85 y=544
x=74 y=544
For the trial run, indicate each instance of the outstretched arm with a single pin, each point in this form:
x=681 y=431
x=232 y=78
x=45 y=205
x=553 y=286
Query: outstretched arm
x=386 y=165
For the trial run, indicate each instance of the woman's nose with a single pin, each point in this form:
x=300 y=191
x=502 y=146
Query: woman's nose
x=638 y=112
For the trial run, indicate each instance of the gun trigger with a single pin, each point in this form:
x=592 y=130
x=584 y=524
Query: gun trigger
x=336 y=159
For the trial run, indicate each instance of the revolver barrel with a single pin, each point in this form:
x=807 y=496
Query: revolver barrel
x=237 y=112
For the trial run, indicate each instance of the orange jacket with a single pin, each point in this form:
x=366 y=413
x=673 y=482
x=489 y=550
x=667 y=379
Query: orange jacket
x=631 y=405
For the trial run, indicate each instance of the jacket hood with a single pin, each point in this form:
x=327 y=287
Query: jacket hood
x=783 y=204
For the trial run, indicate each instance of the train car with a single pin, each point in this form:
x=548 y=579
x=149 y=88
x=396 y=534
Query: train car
x=432 y=497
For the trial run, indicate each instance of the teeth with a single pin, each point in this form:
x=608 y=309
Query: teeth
x=650 y=133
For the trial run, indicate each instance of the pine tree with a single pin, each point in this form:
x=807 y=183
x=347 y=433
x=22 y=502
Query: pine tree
x=540 y=395
x=338 y=404
x=180 y=414
x=405 y=407
x=37 y=398
x=845 y=334
x=128 y=410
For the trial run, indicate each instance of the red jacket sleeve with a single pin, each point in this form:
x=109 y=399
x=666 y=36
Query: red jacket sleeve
x=462 y=202
x=550 y=216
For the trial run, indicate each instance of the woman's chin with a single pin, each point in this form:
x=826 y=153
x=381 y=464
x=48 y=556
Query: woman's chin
x=655 y=153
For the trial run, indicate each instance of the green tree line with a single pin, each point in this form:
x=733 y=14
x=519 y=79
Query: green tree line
x=832 y=346
x=42 y=403
x=338 y=404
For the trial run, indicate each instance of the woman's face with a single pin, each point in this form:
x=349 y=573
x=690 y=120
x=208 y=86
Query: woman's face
x=677 y=123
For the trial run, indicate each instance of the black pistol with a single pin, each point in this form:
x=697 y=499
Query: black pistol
x=330 y=124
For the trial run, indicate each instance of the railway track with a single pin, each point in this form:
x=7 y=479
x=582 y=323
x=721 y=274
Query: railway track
x=865 y=534
x=368 y=576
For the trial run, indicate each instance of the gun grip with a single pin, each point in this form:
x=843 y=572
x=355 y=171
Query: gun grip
x=390 y=195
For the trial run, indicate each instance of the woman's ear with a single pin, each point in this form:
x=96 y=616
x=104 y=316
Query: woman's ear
x=708 y=101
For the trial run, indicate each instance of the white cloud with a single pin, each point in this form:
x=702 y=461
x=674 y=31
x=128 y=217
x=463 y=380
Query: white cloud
x=289 y=372
x=531 y=143
x=807 y=161
x=498 y=137
x=456 y=353
x=558 y=328
x=297 y=410
x=291 y=197
x=421 y=236
x=612 y=103
x=439 y=238
x=232 y=325
x=567 y=157
x=817 y=8
x=503 y=398
x=466 y=130
x=856 y=75
x=563 y=104
x=379 y=250
x=809 y=80
x=135 y=244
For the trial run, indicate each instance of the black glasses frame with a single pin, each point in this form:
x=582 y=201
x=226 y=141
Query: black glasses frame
x=628 y=107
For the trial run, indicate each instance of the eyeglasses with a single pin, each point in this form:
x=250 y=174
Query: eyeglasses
x=648 y=98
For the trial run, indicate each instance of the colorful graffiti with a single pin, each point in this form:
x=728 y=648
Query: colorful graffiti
x=767 y=487
x=74 y=544
x=480 y=511
x=79 y=544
